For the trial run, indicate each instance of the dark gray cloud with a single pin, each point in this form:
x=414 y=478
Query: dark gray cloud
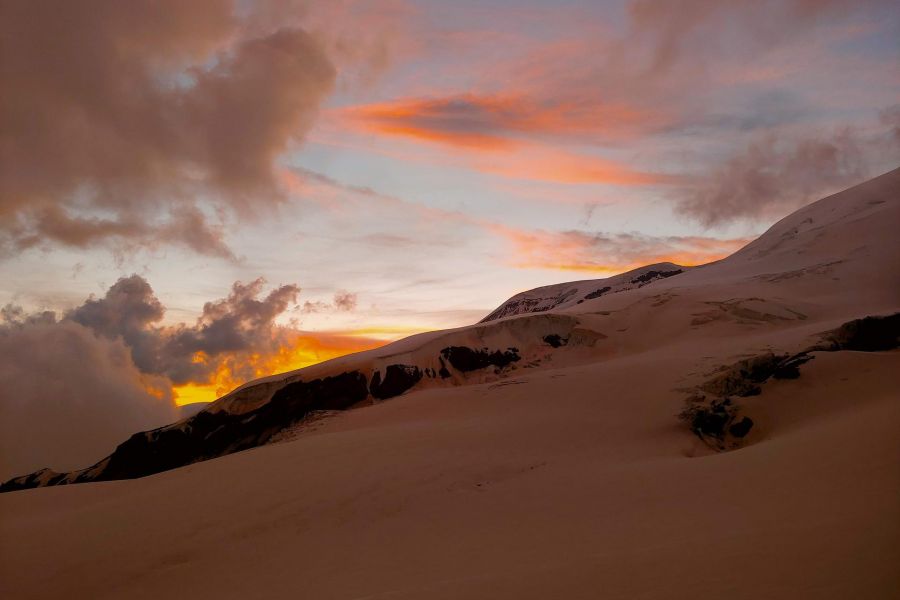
x=116 y=117
x=241 y=322
x=74 y=386
x=183 y=226
x=12 y=315
x=127 y=310
x=777 y=174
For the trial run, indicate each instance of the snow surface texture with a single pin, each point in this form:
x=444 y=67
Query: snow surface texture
x=566 y=295
x=548 y=462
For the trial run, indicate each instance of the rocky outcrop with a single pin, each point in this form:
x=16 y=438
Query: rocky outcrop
x=555 y=340
x=712 y=412
x=653 y=275
x=869 y=334
x=597 y=293
x=259 y=412
x=211 y=434
x=214 y=433
x=741 y=428
x=744 y=377
x=397 y=379
x=444 y=372
x=463 y=358
x=518 y=306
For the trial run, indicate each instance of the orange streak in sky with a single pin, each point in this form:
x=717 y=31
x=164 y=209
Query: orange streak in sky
x=579 y=251
x=558 y=166
x=465 y=140
x=493 y=120
x=513 y=136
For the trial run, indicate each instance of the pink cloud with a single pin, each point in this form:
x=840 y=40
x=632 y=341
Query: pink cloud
x=608 y=253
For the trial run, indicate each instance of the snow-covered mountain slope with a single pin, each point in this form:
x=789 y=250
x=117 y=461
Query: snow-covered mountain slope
x=565 y=295
x=830 y=262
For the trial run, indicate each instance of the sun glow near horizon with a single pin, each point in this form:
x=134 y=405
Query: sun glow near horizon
x=302 y=351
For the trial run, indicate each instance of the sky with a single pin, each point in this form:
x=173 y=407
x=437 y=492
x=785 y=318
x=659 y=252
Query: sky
x=206 y=192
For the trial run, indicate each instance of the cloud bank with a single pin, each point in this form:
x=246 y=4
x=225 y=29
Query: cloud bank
x=592 y=105
x=69 y=397
x=242 y=322
x=151 y=123
x=73 y=386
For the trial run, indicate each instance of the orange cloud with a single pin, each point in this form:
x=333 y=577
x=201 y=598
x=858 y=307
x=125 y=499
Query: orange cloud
x=300 y=350
x=501 y=121
x=387 y=332
x=419 y=120
x=514 y=136
x=608 y=253
x=540 y=163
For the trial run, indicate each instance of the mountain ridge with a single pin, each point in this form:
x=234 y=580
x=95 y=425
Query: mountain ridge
x=799 y=258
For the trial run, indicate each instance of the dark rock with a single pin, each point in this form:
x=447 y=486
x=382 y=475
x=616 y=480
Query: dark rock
x=597 y=293
x=211 y=434
x=555 y=340
x=741 y=428
x=715 y=419
x=443 y=372
x=712 y=419
x=530 y=305
x=709 y=420
x=397 y=379
x=463 y=358
x=869 y=334
x=25 y=482
x=57 y=479
x=651 y=275
x=789 y=368
x=742 y=378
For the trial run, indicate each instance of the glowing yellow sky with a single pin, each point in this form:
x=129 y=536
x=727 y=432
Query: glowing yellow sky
x=303 y=351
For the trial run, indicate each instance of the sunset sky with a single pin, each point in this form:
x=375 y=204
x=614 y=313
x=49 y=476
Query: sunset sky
x=389 y=167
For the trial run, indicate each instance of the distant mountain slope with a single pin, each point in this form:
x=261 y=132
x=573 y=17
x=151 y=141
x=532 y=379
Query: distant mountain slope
x=565 y=295
x=830 y=262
